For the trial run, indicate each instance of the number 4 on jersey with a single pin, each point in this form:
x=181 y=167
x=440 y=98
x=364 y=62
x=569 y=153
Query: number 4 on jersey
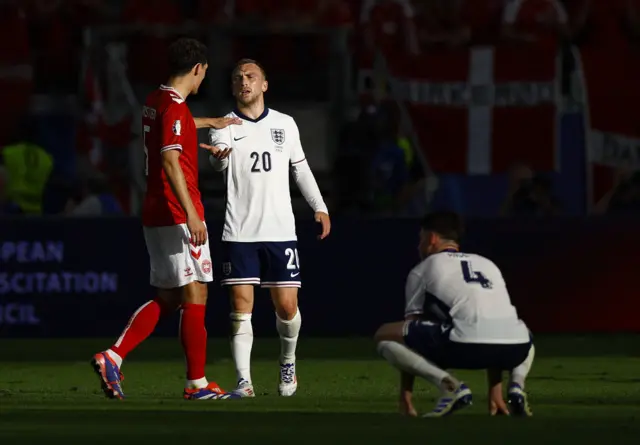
x=470 y=276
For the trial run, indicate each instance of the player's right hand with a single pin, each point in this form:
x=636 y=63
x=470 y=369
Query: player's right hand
x=217 y=152
x=197 y=230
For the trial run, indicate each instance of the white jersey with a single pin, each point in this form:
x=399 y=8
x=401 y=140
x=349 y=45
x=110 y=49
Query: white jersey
x=472 y=289
x=264 y=150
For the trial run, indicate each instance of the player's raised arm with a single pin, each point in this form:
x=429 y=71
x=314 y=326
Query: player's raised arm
x=307 y=184
x=171 y=150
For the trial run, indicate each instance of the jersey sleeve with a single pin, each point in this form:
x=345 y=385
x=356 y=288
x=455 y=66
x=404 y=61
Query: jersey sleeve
x=415 y=293
x=297 y=155
x=173 y=122
x=303 y=175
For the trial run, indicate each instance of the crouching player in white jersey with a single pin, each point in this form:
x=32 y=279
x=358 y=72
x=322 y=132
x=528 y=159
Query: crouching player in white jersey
x=259 y=235
x=475 y=327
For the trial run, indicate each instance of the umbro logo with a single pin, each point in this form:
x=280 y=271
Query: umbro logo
x=237 y=139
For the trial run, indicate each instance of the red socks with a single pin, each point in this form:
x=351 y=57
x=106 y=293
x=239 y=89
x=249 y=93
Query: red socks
x=141 y=325
x=193 y=333
x=193 y=336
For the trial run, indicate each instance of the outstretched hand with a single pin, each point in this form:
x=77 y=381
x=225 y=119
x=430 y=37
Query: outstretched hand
x=217 y=152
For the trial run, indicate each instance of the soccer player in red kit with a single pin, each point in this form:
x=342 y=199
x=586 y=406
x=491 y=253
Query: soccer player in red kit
x=174 y=228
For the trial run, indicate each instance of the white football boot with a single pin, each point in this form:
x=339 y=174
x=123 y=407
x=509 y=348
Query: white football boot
x=450 y=402
x=244 y=389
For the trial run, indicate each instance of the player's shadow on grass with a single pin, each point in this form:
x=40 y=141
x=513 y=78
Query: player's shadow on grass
x=584 y=378
x=241 y=426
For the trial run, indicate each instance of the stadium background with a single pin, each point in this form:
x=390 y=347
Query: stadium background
x=516 y=114
x=520 y=114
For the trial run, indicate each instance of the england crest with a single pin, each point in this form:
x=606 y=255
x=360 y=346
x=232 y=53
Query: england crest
x=277 y=135
x=226 y=268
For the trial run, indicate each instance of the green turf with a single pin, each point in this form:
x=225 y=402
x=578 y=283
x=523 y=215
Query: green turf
x=584 y=390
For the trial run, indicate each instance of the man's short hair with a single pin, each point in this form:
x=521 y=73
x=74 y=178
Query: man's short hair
x=446 y=224
x=184 y=54
x=247 y=61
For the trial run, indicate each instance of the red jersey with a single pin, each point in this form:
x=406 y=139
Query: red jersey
x=168 y=124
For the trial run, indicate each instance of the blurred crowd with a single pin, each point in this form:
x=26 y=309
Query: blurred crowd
x=377 y=169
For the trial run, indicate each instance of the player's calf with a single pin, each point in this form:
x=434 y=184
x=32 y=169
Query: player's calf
x=516 y=396
x=241 y=345
x=288 y=330
x=288 y=323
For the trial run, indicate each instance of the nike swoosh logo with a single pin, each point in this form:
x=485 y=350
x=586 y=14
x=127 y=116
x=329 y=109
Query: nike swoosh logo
x=237 y=139
x=294 y=274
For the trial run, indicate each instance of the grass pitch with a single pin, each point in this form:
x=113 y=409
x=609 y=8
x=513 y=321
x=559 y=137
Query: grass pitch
x=584 y=390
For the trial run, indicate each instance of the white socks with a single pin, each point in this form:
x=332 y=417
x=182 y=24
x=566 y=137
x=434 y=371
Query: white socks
x=288 y=330
x=241 y=344
x=242 y=341
x=520 y=372
x=406 y=360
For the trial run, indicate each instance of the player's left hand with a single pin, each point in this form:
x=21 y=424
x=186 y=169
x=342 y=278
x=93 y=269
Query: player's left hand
x=222 y=122
x=217 y=152
x=323 y=219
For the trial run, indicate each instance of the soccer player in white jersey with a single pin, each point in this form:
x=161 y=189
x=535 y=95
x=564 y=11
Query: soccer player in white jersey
x=473 y=325
x=259 y=235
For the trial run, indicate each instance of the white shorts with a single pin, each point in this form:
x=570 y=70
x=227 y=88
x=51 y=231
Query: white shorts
x=174 y=261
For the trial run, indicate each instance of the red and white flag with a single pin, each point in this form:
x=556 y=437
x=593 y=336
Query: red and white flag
x=613 y=139
x=479 y=110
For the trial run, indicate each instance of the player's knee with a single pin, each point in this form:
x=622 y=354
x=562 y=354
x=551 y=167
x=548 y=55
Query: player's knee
x=242 y=298
x=195 y=293
x=287 y=310
x=169 y=300
x=389 y=332
x=379 y=335
x=285 y=301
